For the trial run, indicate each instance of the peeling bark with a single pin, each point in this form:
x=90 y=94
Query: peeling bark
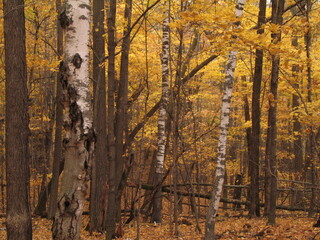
x=79 y=135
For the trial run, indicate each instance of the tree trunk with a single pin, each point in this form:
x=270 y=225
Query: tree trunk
x=16 y=118
x=297 y=128
x=297 y=143
x=99 y=164
x=271 y=162
x=57 y=155
x=157 y=201
x=79 y=135
x=254 y=150
x=111 y=211
x=222 y=144
x=311 y=143
x=121 y=109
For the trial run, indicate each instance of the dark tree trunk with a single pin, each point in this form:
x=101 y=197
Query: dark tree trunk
x=310 y=148
x=121 y=107
x=271 y=159
x=111 y=211
x=297 y=128
x=254 y=154
x=57 y=155
x=99 y=165
x=18 y=215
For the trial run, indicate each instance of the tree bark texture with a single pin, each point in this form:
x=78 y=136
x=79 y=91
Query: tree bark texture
x=271 y=162
x=98 y=188
x=79 y=135
x=157 y=202
x=254 y=150
x=16 y=117
x=222 y=143
x=111 y=211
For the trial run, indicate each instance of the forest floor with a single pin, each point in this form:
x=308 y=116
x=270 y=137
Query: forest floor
x=293 y=226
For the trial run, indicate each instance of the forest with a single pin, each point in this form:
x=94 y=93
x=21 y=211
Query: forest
x=159 y=119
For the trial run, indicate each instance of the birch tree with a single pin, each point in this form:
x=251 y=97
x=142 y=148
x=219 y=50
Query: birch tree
x=18 y=217
x=157 y=203
x=79 y=135
x=222 y=143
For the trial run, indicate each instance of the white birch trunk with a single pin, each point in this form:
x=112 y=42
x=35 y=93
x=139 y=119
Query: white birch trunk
x=157 y=206
x=79 y=136
x=222 y=144
x=164 y=100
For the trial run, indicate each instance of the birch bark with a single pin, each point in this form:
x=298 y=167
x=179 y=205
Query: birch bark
x=79 y=135
x=157 y=203
x=222 y=144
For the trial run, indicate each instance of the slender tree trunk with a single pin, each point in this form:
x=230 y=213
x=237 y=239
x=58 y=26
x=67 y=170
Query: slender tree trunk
x=121 y=108
x=111 y=210
x=57 y=155
x=271 y=162
x=297 y=143
x=222 y=143
x=41 y=207
x=297 y=128
x=16 y=129
x=254 y=149
x=79 y=135
x=99 y=164
x=175 y=101
x=310 y=146
x=157 y=203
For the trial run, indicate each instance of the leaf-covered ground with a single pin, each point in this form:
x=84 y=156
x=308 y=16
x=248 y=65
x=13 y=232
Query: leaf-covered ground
x=288 y=227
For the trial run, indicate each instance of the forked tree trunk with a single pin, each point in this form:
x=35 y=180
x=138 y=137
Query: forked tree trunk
x=254 y=149
x=157 y=202
x=16 y=130
x=79 y=136
x=222 y=144
x=271 y=162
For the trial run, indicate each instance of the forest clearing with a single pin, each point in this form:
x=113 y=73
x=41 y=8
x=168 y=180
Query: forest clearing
x=159 y=119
